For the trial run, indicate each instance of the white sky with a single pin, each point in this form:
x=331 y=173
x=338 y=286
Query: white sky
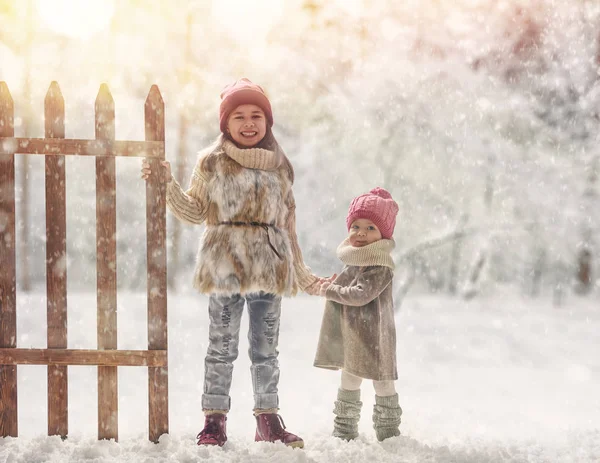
x=75 y=18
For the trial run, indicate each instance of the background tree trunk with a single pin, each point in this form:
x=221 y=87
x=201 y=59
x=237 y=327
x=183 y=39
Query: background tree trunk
x=584 y=268
x=181 y=161
x=455 y=256
x=24 y=229
x=472 y=285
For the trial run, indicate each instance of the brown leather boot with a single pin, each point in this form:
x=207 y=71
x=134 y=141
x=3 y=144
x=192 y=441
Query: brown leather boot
x=271 y=428
x=214 y=432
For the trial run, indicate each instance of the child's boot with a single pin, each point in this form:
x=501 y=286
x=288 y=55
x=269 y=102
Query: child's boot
x=214 y=432
x=347 y=414
x=271 y=428
x=386 y=416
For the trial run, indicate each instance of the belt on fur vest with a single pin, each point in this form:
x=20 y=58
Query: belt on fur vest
x=265 y=226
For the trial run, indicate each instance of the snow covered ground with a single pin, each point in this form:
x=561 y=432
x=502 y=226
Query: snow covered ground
x=497 y=379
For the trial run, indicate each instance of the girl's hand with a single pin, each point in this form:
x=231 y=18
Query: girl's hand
x=330 y=279
x=146 y=172
x=313 y=289
x=323 y=288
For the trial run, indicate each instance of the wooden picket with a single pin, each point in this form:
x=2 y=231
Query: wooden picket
x=8 y=275
x=106 y=250
x=156 y=226
x=56 y=255
x=57 y=356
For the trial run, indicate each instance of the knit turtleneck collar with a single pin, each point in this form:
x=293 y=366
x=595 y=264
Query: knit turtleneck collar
x=253 y=158
x=376 y=253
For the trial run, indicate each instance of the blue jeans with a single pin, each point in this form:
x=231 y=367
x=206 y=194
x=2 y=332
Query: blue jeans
x=225 y=314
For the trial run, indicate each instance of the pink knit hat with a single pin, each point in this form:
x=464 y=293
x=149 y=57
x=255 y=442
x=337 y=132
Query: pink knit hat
x=378 y=206
x=243 y=92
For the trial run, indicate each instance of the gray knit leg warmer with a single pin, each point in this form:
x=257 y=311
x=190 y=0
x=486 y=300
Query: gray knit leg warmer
x=347 y=413
x=386 y=417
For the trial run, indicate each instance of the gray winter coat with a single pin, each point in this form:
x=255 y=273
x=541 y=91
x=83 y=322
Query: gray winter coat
x=358 y=332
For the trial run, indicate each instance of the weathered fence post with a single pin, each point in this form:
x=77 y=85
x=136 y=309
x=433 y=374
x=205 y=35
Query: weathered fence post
x=154 y=111
x=106 y=264
x=8 y=279
x=56 y=262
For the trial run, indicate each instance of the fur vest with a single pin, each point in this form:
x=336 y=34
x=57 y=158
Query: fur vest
x=244 y=196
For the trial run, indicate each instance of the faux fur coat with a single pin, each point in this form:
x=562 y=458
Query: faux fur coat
x=358 y=332
x=244 y=196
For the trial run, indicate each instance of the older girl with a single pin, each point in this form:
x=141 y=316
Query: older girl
x=241 y=188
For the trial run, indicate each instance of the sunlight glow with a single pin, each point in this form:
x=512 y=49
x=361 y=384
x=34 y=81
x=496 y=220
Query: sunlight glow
x=246 y=20
x=76 y=18
x=352 y=7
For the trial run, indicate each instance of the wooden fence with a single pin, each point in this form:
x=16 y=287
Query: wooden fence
x=54 y=146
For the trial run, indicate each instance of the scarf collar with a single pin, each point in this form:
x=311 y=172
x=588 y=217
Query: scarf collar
x=253 y=158
x=376 y=253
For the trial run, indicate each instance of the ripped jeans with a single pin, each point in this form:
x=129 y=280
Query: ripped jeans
x=225 y=314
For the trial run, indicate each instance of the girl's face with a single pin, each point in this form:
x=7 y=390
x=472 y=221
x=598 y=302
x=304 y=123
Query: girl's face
x=363 y=232
x=247 y=125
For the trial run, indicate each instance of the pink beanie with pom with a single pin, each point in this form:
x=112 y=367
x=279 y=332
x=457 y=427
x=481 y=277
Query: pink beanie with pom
x=378 y=206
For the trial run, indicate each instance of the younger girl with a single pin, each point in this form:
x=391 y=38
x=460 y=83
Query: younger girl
x=358 y=333
x=241 y=188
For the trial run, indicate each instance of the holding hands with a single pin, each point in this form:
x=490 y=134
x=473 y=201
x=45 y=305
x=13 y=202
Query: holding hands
x=323 y=284
x=323 y=288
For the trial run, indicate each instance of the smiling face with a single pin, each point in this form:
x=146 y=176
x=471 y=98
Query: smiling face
x=247 y=125
x=363 y=232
